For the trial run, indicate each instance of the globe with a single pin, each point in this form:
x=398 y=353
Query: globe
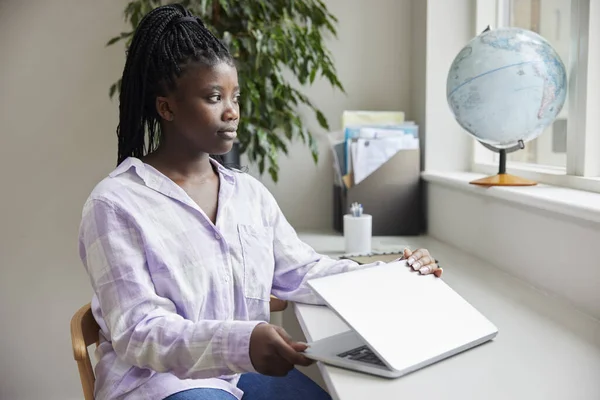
x=505 y=86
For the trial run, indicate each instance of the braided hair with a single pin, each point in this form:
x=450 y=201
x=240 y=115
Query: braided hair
x=165 y=42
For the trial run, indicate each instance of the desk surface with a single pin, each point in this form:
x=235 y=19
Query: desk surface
x=544 y=349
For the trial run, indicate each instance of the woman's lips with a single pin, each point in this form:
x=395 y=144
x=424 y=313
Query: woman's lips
x=227 y=135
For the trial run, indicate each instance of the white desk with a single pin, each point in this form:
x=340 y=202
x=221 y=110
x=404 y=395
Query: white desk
x=544 y=348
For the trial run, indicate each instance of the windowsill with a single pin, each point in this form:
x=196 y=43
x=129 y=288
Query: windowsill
x=527 y=167
x=553 y=176
x=579 y=204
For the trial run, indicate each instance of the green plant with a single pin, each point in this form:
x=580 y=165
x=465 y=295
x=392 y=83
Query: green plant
x=269 y=39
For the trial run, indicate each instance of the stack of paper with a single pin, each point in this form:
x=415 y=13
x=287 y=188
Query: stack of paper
x=373 y=118
x=368 y=140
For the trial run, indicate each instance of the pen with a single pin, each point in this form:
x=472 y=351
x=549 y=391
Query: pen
x=356 y=209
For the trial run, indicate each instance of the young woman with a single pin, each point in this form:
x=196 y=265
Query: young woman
x=183 y=254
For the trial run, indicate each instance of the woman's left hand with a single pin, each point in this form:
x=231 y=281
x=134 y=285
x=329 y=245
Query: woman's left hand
x=420 y=260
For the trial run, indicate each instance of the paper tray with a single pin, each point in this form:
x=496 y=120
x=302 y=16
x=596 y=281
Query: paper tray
x=392 y=194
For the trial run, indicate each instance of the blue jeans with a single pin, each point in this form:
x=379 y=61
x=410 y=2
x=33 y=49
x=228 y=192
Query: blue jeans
x=294 y=386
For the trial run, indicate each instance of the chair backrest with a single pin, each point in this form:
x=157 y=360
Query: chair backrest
x=84 y=332
x=277 y=305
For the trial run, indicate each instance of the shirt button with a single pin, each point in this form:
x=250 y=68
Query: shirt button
x=217 y=236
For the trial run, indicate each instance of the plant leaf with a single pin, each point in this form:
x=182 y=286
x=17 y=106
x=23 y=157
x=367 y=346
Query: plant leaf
x=113 y=40
x=112 y=90
x=322 y=120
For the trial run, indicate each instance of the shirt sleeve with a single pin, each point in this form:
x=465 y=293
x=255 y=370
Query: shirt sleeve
x=144 y=328
x=296 y=262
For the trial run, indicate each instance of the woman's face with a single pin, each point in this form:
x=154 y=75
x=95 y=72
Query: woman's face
x=202 y=113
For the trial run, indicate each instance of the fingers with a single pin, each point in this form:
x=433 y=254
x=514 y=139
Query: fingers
x=417 y=256
x=420 y=260
x=282 y=332
x=290 y=350
x=290 y=355
x=299 y=346
x=277 y=365
x=273 y=352
x=431 y=269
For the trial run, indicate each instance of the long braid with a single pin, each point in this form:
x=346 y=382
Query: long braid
x=163 y=44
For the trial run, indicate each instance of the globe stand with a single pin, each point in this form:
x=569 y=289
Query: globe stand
x=502 y=178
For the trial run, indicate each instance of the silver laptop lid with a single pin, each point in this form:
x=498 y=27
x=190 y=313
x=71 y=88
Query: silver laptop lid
x=409 y=320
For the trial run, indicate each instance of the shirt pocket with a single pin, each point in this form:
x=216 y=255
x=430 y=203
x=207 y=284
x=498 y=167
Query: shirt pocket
x=258 y=259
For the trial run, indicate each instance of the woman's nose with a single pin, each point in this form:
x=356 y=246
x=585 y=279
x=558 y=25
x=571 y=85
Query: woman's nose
x=231 y=112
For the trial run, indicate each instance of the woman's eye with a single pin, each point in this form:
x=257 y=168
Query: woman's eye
x=215 y=98
x=237 y=98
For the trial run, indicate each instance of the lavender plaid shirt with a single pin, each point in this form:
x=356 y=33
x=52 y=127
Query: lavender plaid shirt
x=177 y=297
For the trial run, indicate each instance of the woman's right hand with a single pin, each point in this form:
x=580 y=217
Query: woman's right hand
x=273 y=352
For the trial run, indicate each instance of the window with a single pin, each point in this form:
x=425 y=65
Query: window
x=569 y=150
x=551 y=19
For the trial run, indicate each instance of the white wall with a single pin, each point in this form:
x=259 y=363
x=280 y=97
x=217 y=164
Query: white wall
x=554 y=24
x=58 y=139
x=418 y=69
x=450 y=25
x=373 y=59
x=554 y=253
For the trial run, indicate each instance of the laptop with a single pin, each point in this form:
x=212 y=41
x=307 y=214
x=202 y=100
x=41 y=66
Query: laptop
x=400 y=321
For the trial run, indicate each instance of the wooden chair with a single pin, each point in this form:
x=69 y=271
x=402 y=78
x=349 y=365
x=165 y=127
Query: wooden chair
x=85 y=331
x=276 y=305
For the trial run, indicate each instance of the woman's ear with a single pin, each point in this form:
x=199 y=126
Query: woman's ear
x=163 y=108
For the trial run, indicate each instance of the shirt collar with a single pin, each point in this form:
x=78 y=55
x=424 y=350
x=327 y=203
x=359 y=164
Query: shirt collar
x=143 y=172
x=227 y=173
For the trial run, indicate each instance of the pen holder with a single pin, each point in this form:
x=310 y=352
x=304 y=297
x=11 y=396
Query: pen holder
x=357 y=234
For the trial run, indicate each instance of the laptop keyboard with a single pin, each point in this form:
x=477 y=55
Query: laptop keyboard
x=363 y=354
